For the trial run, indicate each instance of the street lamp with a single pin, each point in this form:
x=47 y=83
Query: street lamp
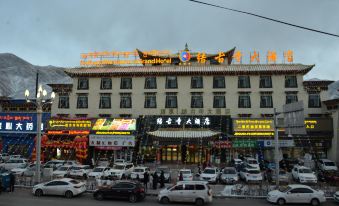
x=39 y=102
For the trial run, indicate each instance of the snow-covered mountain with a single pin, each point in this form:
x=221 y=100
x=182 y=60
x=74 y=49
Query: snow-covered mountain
x=17 y=75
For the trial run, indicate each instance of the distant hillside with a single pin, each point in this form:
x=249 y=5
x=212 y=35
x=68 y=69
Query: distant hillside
x=17 y=75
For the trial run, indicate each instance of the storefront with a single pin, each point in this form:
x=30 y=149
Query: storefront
x=113 y=139
x=67 y=139
x=18 y=131
x=182 y=139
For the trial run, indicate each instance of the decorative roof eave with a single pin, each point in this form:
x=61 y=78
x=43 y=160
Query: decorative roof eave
x=190 y=70
x=331 y=102
x=317 y=83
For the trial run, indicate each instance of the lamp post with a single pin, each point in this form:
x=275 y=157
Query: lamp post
x=39 y=102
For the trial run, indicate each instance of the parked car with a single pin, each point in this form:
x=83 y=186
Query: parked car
x=167 y=173
x=288 y=164
x=80 y=171
x=62 y=171
x=4 y=156
x=133 y=191
x=20 y=170
x=229 y=175
x=25 y=170
x=16 y=157
x=139 y=172
x=235 y=162
x=186 y=174
x=251 y=162
x=296 y=194
x=270 y=175
x=210 y=174
x=331 y=177
x=336 y=196
x=251 y=174
x=304 y=174
x=119 y=161
x=54 y=164
x=119 y=170
x=65 y=187
x=187 y=191
x=327 y=165
x=99 y=172
x=103 y=162
x=14 y=163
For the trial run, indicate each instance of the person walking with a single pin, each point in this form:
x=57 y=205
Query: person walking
x=155 y=180
x=181 y=177
x=162 y=179
x=12 y=182
x=146 y=180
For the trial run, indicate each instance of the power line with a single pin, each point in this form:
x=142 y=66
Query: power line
x=263 y=17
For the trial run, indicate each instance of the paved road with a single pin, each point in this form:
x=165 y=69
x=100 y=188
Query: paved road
x=25 y=198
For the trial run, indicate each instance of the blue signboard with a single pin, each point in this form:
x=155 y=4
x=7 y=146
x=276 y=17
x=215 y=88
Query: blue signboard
x=21 y=122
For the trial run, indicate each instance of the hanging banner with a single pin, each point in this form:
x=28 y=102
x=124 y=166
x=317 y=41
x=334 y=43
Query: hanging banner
x=111 y=140
x=21 y=122
x=115 y=124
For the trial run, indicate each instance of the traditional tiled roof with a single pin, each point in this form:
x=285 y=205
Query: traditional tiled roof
x=234 y=69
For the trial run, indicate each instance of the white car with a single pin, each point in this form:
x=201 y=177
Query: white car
x=186 y=174
x=25 y=170
x=249 y=174
x=327 y=165
x=296 y=194
x=62 y=171
x=336 y=196
x=103 y=162
x=119 y=161
x=65 y=187
x=80 y=171
x=236 y=162
x=251 y=162
x=99 y=172
x=187 y=191
x=210 y=174
x=119 y=170
x=139 y=171
x=304 y=174
x=54 y=164
x=14 y=163
x=16 y=157
x=4 y=156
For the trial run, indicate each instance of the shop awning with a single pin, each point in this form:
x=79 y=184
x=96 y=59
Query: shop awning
x=186 y=134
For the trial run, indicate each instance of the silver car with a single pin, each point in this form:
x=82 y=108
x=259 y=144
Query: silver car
x=229 y=175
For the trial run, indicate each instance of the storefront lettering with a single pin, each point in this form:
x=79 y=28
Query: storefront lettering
x=66 y=124
x=181 y=121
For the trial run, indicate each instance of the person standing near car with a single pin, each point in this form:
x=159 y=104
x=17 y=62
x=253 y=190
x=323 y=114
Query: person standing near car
x=155 y=180
x=146 y=179
x=162 y=179
x=181 y=177
x=12 y=182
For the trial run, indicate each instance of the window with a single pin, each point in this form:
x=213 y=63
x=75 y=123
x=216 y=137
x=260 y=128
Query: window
x=244 y=101
x=291 y=98
x=301 y=190
x=244 y=82
x=171 y=82
x=178 y=187
x=82 y=83
x=291 y=82
x=314 y=101
x=82 y=101
x=218 y=82
x=106 y=83
x=265 y=82
x=196 y=82
x=199 y=187
x=266 y=101
x=150 y=101
x=126 y=83
x=189 y=187
x=219 y=101
x=171 y=101
x=197 y=101
x=150 y=83
x=63 y=102
x=125 y=101
x=105 y=101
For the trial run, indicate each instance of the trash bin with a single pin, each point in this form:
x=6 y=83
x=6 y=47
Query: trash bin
x=6 y=179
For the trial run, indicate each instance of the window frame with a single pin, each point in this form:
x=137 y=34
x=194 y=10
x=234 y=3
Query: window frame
x=121 y=101
x=109 y=102
x=309 y=101
x=102 y=83
x=78 y=100
x=287 y=95
x=244 y=86
x=215 y=85
x=195 y=82
x=67 y=105
x=168 y=80
x=244 y=106
x=155 y=100
x=261 y=101
x=262 y=79
x=291 y=86
x=176 y=101
x=83 y=79
x=200 y=98
x=122 y=85
x=155 y=83
x=214 y=101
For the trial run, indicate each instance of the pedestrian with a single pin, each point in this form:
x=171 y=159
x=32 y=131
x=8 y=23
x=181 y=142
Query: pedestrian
x=181 y=177
x=12 y=182
x=0 y=184
x=162 y=179
x=204 y=165
x=123 y=176
x=155 y=180
x=138 y=178
x=146 y=179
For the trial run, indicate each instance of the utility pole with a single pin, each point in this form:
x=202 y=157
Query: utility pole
x=276 y=147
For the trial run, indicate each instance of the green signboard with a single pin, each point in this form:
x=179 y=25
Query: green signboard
x=244 y=144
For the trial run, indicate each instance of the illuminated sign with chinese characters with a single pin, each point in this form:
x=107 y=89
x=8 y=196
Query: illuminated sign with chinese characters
x=111 y=140
x=115 y=124
x=21 y=122
x=253 y=127
x=183 y=121
x=65 y=124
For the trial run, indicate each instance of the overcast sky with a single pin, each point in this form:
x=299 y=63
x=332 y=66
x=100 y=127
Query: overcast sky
x=45 y=32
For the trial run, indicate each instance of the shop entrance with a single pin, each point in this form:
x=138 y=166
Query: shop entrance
x=183 y=154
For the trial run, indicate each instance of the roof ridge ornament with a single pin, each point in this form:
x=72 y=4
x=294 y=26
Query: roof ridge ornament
x=186 y=47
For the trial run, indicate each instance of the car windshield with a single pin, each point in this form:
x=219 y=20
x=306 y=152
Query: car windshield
x=185 y=172
x=284 y=189
x=98 y=169
x=162 y=169
x=306 y=170
x=119 y=167
x=209 y=171
x=252 y=162
x=138 y=170
x=329 y=164
x=229 y=171
x=253 y=171
x=63 y=168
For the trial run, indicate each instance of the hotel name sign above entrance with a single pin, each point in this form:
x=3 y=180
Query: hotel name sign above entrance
x=201 y=111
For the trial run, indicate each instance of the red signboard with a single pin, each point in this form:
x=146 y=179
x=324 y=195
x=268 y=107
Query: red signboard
x=222 y=144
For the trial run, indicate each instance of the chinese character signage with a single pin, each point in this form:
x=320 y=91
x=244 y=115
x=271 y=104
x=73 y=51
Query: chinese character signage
x=115 y=124
x=244 y=144
x=253 y=127
x=69 y=124
x=111 y=140
x=21 y=122
x=205 y=121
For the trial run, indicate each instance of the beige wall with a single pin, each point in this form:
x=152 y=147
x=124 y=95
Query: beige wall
x=184 y=97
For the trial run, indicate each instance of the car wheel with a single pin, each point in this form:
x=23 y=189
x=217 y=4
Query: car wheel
x=199 y=202
x=132 y=198
x=39 y=193
x=99 y=196
x=165 y=200
x=314 y=202
x=281 y=201
x=68 y=194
